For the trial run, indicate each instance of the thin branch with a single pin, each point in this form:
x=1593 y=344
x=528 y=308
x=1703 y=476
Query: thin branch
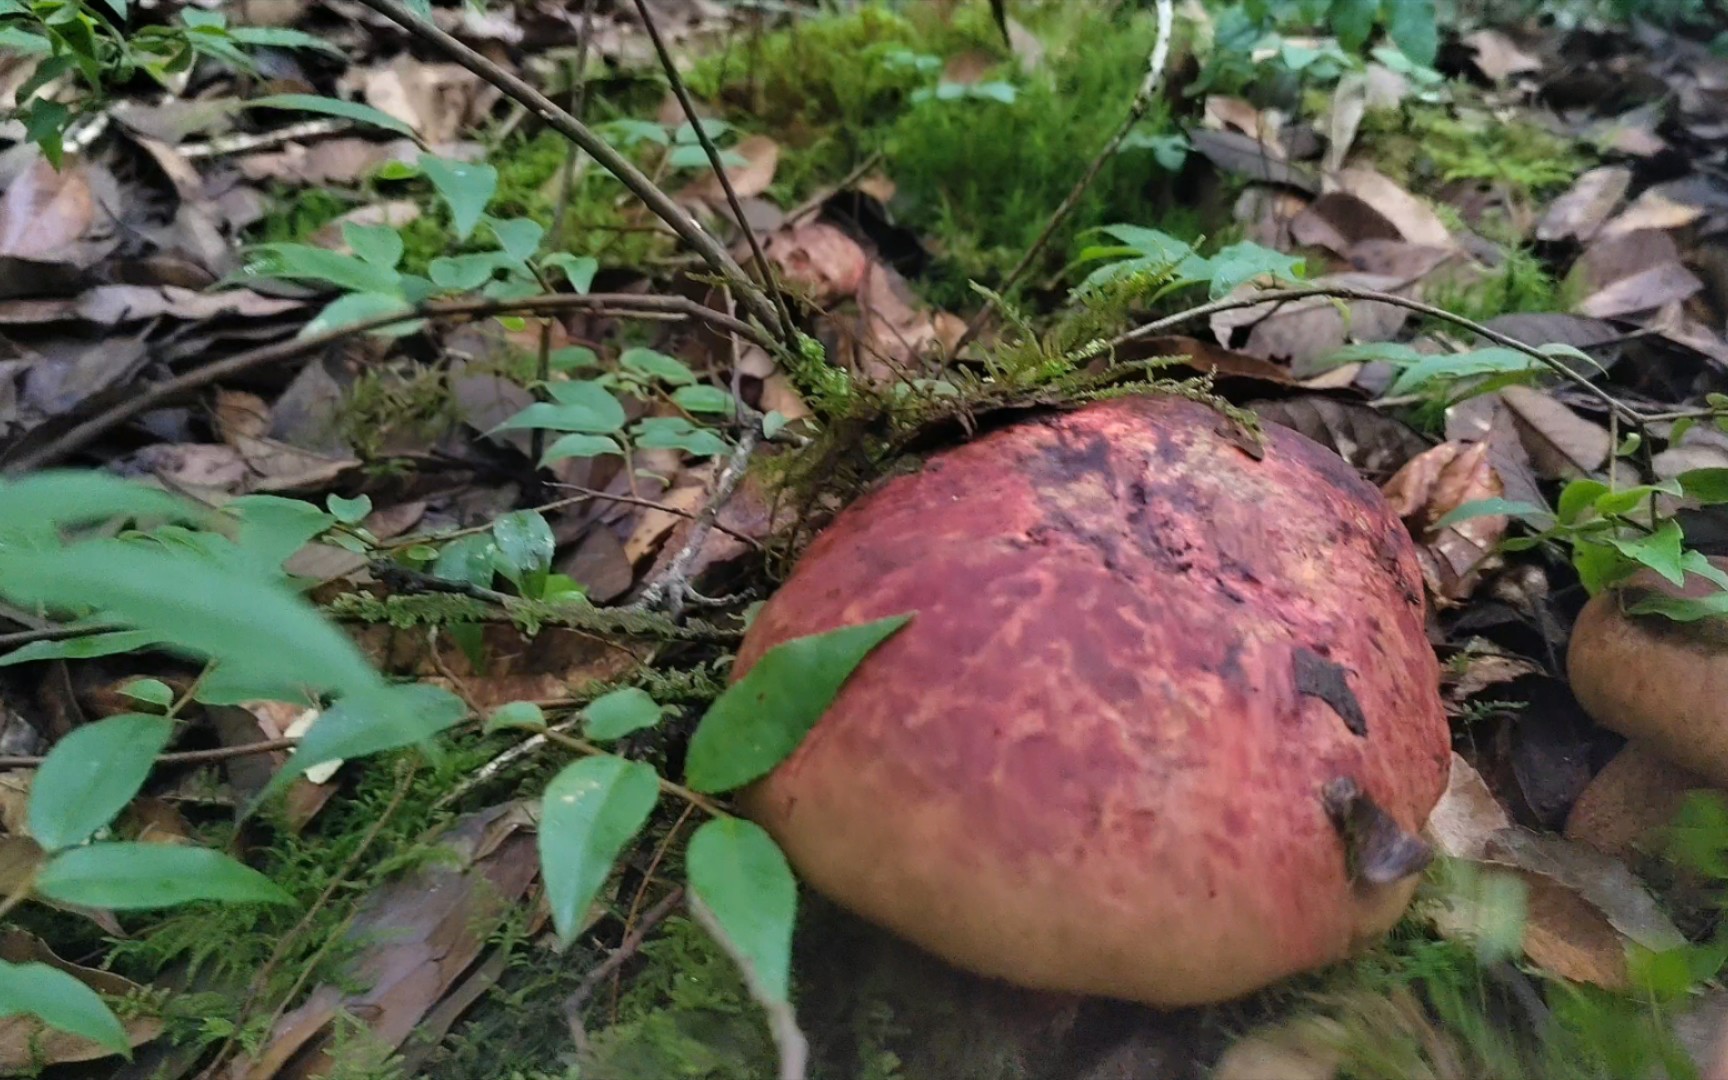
x=672 y=586
x=578 y=999
x=761 y=260
x=586 y=493
x=1347 y=292
x=626 y=304
x=1143 y=99
x=183 y=757
x=660 y=203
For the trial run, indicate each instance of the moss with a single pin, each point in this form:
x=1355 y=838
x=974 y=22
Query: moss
x=1521 y=283
x=1423 y=145
x=387 y=403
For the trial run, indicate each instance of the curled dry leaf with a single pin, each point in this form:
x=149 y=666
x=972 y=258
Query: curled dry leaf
x=395 y=213
x=1431 y=486
x=45 y=211
x=439 y=101
x=1662 y=207
x=1466 y=816
x=1338 y=221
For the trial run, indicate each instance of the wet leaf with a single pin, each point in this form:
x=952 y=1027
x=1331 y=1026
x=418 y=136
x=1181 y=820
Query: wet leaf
x=591 y=809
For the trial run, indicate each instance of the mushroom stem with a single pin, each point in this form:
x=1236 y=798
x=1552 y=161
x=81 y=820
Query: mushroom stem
x=1376 y=850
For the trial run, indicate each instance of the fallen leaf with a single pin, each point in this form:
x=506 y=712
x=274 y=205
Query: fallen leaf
x=1467 y=814
x=1338 y=221
x=1412 y=218
x=820 y=259
x=1431 y=486
x=1562 y=444
x=1604 y=882
x=395 y=213
x=1225 y=113
x=1303 y=332
x=654 y=525
x=1344 y=119
x=1643 y=291
x=1656 y=208
x=439 y=101
x=1375 y=444
x=240 y=414
x=1246 y=156
x=761 y=158
x=1498 y=57
x=45 y=211
x=1580 y=213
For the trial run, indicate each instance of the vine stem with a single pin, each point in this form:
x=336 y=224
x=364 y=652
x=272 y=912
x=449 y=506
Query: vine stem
x=157 y=394
x=1348 y=292
x=560 y=120
x=1155 y=65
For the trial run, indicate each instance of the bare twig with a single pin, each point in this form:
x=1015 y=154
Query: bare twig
x=815 y=201
x=782 y=1021
x=625 y=304
x=671 y=588
x=657 y=201
x=787 y=332
x=1143 y=98
x=182 y=757
x=1347 y=292
x=627 y=948
x=650 y=504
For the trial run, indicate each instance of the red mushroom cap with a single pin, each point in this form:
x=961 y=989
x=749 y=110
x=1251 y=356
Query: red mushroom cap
x=1151 y=687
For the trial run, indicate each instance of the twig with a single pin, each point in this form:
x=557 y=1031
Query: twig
x=627 y=948
x=787 y=332
x=672 y=586
x=1348 y=292
x=650 y=504
x=182 y=757
x=782 y=1021
x=657 y=201
x=815 y=201
x=56 y=633
x=160 y=393
x=1143 y=98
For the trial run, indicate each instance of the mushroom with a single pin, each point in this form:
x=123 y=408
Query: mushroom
x=1651 y=678
x=1163 y=725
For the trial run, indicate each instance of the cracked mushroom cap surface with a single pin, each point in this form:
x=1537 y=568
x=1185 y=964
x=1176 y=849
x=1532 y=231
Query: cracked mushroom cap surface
x=1162 y=724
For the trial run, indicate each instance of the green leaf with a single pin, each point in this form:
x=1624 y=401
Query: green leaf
x=1414 y=26
x=273 y=528
x=139 y=876
x=259 y=627
x=627 y=132
x=1682 y=609
x=1460 y=365
x=470 y=559
x=653 y=365
x=1488 y=507
x=1246 y=261
x=465 y=187
x=525 y=543
x=1353 y=21
x=282 y=37
x=703 y=399
x=60 y=1000
x=573 y=358
x=24 y=43
x=37 y=506
x=617 y=714
x=1708 y=486
x=379 y=245
x=82 y=648
x=1578 y=496
x=515 y=714
x=571 y=446
x=150 y=692
x=384 y=718
x=591 y=809
x=91 y=775
x=1661 y=551
x=746 y=896
x=349 y=511
x=677 y=433
x=304 y=262
x=519 y=237
x=346 y=110
x=579 y=269
x=578 y=406
x=462 y=273
x=761 y=718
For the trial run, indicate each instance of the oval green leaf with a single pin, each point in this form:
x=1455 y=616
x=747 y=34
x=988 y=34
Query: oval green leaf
x=59 y=1000
x=91 y=775
x=590 y=811
x=617 y=714
x=131 y=877
x=762 y=717
x=747 y=898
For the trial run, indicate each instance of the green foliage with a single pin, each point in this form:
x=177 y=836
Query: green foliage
x=91 y=775
x=1421 y=145
x=59 y=1000
x=590 y=811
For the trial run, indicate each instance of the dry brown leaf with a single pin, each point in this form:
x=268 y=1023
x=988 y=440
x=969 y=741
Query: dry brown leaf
x=1432 y=485
x=1636 y=794
x=1562 y=445
x=280 y=467
x=1498 y=57
x=1375 y=444
x=1248 y=157
x=1290 y=1051
x=761 y=158
x=197 y=469
x=1581 y=211
x=654 y=525
x=1604 y=882
x=1467 y=814
x=1566 y=936
x=1305 y=331
x=1344 y=119
x=439 y=101
x=1657 y=208
x=1338 y=221
x=415 y=938
x=1646 y=290
x=968 y=68
x=26 y=1041
x=45 y=211
x=820 y=259
x=394 y=213
x=1224 y=113
x=1412 y=218
x=111 y=305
